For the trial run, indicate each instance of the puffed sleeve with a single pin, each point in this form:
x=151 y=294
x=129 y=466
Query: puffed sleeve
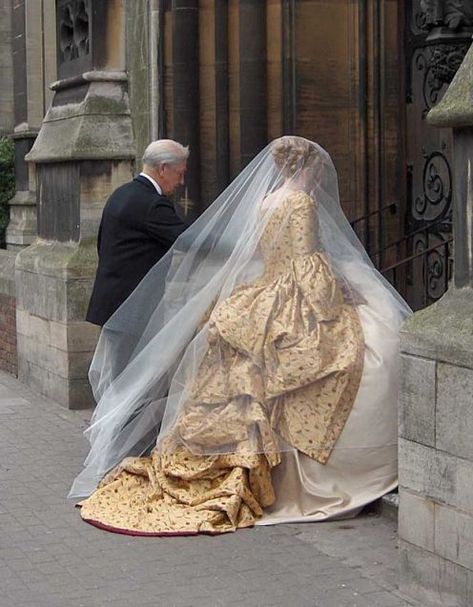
x=303 y=225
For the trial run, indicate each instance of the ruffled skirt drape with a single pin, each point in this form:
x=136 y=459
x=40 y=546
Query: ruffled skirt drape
x=284 y=363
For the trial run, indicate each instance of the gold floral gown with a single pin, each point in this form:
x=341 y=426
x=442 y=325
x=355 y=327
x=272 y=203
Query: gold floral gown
x=284 y=361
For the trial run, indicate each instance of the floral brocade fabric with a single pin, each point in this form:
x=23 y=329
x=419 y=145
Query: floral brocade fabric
x=284 y=361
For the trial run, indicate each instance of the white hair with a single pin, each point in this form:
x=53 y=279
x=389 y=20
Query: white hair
x=165 y=151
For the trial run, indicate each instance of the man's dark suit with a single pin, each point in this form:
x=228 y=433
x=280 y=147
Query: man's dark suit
x=138 y=227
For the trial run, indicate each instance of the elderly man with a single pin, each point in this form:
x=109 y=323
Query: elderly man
x=139 y=225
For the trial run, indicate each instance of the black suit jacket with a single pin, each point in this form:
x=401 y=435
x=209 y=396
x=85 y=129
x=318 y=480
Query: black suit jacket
x=138 y=227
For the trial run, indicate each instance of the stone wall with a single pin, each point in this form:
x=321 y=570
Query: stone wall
x=436 y=413
x=436 y=454
x=8 y=347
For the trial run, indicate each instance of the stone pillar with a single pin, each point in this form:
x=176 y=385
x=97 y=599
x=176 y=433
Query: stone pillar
x=22 y=229
x=84 y=150
x=247 y=81
x=436 y=414
x=213 y=43
x=6 y=69
x=181 y=90
x=141 y=61
x=34 y=62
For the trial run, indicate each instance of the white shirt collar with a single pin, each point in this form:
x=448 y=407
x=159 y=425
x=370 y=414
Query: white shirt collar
x=154 y=182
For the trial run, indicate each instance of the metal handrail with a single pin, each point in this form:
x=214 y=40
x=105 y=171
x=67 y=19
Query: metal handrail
x=392 y=206
x=416 y=255
x=428 y=226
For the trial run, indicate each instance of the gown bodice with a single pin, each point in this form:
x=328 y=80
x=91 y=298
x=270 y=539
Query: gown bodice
x=291 y=233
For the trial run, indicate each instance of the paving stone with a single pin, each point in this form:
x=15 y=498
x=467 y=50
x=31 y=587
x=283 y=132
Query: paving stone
x=50 y=558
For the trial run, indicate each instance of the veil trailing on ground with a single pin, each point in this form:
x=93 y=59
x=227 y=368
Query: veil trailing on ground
x=150 y=351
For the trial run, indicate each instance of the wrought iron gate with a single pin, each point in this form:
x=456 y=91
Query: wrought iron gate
x=437 y=36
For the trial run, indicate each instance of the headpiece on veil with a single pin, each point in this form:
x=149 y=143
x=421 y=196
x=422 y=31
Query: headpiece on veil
x=150 y=351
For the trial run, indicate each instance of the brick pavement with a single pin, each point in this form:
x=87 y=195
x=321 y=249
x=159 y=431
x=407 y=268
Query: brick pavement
x=50 y=558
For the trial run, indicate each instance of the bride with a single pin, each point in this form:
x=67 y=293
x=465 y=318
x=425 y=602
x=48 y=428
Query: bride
x=269 y=363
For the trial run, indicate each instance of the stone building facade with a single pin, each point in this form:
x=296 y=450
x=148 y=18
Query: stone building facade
x=89 y=83
x=86 y=84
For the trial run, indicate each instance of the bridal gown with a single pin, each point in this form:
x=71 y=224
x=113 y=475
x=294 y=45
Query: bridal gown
x=294 y=358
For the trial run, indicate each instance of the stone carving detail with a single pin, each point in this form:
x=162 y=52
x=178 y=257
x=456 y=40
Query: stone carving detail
x=446 y=59
x=74 y=29
x=450 y=13
x=439 y=63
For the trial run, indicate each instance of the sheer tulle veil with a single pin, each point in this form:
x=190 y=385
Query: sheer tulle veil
x=149 y=351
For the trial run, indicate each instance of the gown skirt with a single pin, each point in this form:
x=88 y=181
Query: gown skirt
x=290 y=417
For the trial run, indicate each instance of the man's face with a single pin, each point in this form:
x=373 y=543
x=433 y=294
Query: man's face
x=170 y=176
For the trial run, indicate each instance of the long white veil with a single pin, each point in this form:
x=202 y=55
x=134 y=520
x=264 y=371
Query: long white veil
x=150 y=350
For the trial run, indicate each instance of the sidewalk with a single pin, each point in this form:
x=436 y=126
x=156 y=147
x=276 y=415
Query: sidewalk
x=50 y=558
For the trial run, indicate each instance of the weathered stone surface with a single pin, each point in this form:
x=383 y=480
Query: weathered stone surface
x=435 y=474
x=63 y=363
x=97 y=180
x=416 y=519
x=68 y=336
x=7 y=273
x=417 y=402
x=97 y=128
x=55 y=344
x=70 y=393
x=454 y=535
x=432 y=580
x=59 y=260
x=21 y=230
x=427 y=472
x=449 y=339
x=454 y=421
x=53 y=297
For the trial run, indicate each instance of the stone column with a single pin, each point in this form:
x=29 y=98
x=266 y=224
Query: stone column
x=34 y=62
x=247 y=81
x=6 y=69
x=181 y=90
x=213 y=43
x=84 y=150
x=436 y=414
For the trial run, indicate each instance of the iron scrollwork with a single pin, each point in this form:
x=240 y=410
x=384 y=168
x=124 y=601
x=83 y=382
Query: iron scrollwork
x=436 y=259
x=431 y=86
x=438 y=37
x=432 y=214
x=437 y=187
x=74 y=29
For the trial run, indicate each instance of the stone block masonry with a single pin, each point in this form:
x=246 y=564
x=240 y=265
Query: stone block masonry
x=8 y=356
x=435 y=455
x=8 y=340
x=436 y=406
